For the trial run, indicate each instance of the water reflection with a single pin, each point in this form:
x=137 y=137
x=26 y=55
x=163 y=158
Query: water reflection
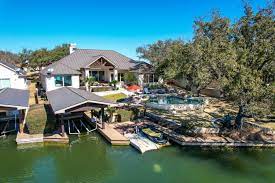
x=91 y=159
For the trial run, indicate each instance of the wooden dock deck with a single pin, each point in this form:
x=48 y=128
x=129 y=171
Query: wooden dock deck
x=23 y=138
x=113 y=136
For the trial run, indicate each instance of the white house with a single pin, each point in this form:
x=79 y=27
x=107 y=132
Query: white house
x=104 y=65
x=12 y=76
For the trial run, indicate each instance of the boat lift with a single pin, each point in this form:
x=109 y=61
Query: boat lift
x=8 y=119
x=82 y=125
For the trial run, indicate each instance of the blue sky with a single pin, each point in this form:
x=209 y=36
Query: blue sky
x=121 y=25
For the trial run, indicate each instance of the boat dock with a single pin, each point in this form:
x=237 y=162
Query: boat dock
x=23 y=138
x=113 y=136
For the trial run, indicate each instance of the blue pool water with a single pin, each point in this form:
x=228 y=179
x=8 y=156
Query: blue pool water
x=175 y=100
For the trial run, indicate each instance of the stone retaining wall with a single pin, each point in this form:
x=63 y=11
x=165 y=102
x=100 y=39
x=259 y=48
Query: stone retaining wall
x=265 y=129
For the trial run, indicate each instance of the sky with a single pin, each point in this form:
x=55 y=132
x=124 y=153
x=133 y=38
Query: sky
x=121 y=25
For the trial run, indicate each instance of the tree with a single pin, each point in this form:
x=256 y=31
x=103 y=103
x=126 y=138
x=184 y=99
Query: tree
x=239 y=56
x=249 y=82
x=114 y=83
x=24 y=57
x=90 y=81
x=43 y=57
x=213 y=49
x=157 y=53
x=9 y=57
x=130 y=78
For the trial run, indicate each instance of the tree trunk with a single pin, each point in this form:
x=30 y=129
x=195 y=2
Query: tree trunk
x=198 y=93
x=239 y=118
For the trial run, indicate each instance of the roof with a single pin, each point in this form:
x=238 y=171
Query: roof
x=143 y=67
x=65 y=98
x=81 y=58
x=14 y=98
x=12 y=67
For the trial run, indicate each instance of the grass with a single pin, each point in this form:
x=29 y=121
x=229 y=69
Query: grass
x=269 y=125
x=40 y=120
x=115 y=97
x=125 y=114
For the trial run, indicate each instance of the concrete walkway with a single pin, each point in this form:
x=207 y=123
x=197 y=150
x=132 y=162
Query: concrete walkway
x=113 y=136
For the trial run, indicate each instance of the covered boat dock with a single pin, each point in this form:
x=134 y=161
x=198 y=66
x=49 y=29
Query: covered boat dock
x=14 y=105
x=71 y=104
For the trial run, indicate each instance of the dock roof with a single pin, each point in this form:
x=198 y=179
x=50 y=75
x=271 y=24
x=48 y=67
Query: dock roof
x=64 y=99
x=14 y=98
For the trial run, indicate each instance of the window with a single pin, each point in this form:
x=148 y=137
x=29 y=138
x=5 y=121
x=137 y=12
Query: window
x=67 y=80
x=150 y=78
x=63 y=81
x=98 y=75
x=120 y=76
x=94 y=74
x=5 y=83
x=101 y=76
x=58 y=81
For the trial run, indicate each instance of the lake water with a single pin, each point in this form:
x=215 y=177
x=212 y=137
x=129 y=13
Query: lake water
x=91 y=159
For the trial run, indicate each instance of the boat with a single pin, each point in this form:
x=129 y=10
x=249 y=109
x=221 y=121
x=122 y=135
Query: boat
x=154 y=136
x=141 y=143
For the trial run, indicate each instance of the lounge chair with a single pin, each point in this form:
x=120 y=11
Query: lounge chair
x=146 y=91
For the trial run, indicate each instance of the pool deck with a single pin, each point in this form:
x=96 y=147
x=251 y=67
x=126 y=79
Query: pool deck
x=23 y=138
x=113 y=136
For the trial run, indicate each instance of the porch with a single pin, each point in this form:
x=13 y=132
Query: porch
x=104 y=71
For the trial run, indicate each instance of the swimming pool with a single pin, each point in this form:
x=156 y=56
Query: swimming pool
x=172 y=102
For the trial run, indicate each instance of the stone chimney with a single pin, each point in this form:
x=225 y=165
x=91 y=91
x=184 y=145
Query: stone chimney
x=72 y=47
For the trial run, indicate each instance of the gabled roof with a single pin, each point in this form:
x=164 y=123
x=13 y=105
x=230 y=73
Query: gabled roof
x=65 y=98
x=81 y=58
x=14 y=98
x=12 y=67
x=96 y=58
x=143 y=67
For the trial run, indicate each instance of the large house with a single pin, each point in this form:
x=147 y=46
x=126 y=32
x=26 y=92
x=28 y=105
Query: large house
x=104 y=65
x=12 y=76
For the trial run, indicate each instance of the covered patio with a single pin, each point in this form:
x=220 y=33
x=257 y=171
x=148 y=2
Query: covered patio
x=70 y=103
x=103 y=70
x=14 y=105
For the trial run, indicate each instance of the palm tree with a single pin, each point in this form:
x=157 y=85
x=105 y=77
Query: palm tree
x=89 y=81
x=114 y=83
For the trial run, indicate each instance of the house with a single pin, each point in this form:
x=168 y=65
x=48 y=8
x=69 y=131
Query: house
x=104 y=65
x=12 y=76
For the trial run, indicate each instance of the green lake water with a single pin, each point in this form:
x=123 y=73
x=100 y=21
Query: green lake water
x=92 y=159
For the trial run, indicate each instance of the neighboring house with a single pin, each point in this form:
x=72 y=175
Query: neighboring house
x=104 y=65
x=12 y=76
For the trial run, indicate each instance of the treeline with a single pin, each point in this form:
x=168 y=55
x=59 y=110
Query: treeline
x=239 y=56
x=35 y=59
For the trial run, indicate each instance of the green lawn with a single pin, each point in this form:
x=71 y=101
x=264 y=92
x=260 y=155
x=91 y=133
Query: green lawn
x=115 y=97
x=269 y=125
x=40 y=119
